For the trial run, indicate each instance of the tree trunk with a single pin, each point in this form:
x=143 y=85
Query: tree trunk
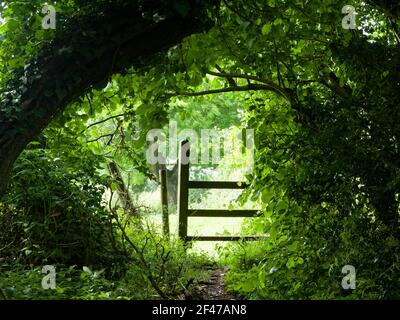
x=66 y=75
x=123 y=192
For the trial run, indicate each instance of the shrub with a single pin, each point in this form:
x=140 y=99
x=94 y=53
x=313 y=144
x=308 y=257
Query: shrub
x=53 y=211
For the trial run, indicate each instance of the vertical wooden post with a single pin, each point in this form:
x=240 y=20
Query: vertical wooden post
x=164 y=202
x=183 y=188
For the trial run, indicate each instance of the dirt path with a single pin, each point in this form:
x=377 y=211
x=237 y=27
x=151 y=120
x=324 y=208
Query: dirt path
x=214 y=288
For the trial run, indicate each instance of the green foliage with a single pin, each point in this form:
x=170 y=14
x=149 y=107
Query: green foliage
x=326 y=168
x=305 y=253
x=169 y=266
x=324 y=104
x=164 y=264
x=53 y=212
x=71 y=283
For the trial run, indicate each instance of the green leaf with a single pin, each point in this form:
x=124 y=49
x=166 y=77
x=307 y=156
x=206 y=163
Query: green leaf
x=266 y=29
x=291 y=263
x=87 y=270
x=293 y=247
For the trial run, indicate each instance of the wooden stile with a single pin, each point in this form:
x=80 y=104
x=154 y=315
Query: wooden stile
x=184 y=184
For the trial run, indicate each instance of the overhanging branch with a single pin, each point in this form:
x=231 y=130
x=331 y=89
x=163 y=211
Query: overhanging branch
x=271 y=85
x=250 y=87
x=136 y=38
x=102 y=121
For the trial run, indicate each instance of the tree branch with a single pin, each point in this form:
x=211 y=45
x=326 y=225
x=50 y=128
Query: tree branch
x=240 y=76
x=333 y=83
x=138 y=38
x=250 y=87
x=102 y=136
x=102 y=121
x=268 y=83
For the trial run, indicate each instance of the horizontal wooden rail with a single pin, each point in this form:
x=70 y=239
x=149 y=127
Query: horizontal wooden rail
x=216 y=185
x=222 y=213
x=224 y=238
x=184 y=184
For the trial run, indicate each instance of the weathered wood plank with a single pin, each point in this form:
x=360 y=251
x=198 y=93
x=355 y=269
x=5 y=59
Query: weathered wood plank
x=183 y=198
x=216 y=185
x=164 y=202
x=222 y=213
x=183 y=191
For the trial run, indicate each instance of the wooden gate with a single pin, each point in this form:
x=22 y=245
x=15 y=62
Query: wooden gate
x=184 y=184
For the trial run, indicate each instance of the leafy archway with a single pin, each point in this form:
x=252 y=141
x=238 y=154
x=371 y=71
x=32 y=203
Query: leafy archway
x=100 y=39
